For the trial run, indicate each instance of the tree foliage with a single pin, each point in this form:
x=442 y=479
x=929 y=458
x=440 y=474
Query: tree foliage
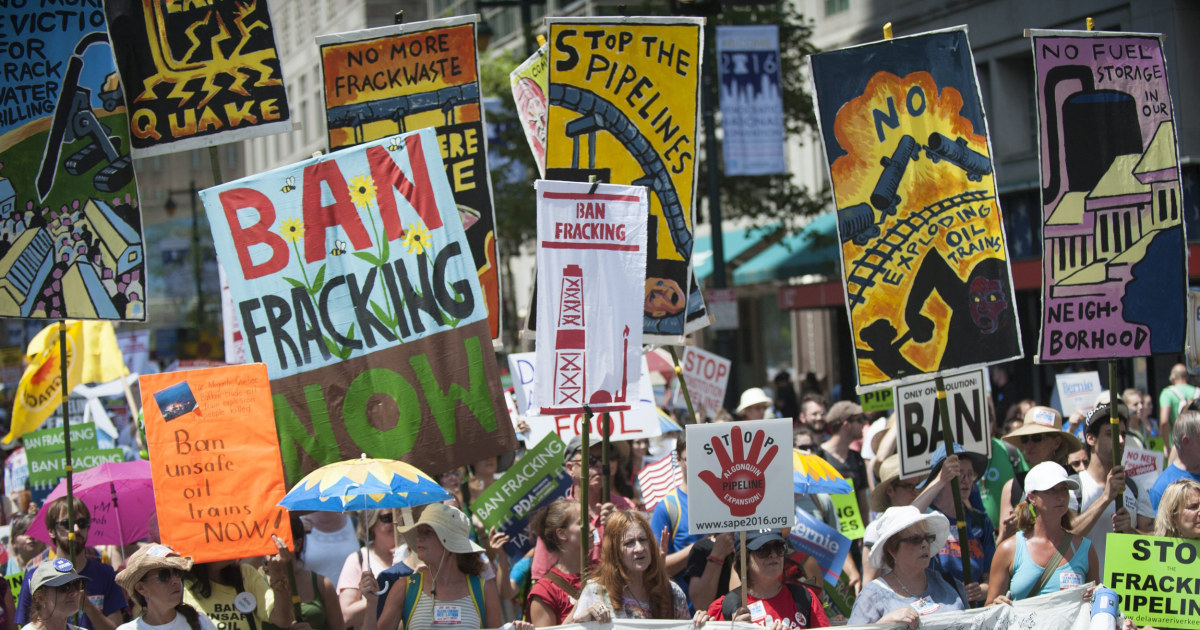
x=513 y=173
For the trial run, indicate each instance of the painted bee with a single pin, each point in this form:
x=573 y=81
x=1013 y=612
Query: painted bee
x=394 y=144
x=339 y=248
x=289 y=185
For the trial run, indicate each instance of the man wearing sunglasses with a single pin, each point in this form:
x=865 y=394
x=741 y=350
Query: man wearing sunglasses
x=103 y=606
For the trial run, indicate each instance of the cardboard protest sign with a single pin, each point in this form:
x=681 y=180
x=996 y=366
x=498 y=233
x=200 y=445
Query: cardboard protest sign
x=1076 y=391
x=1114 y=279
x=183 y=95
x=707 y=377
x=358 y=291
x=850 y=522
x=739 y=476
x=920 y=422
x=904 y=132
x=1157 y=579
x=69 y=217
x=530 y=84
x=386 y=81
x=217 y=474
x=751 y=99
x=828 y=547
x=624 y=104
x=512 y=494
x=591 y=258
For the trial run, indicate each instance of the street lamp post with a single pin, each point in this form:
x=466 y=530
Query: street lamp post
x=197 y=255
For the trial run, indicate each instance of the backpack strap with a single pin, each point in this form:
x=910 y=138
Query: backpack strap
x=475 y=583
x=802 y=598
x=674 y=511
x=566 y=586
x=411 y=595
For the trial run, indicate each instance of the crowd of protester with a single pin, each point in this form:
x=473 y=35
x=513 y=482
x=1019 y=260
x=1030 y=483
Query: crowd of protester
x=1035 y=516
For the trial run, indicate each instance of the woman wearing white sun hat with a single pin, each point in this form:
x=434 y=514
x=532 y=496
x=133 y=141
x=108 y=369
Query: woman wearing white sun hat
x=754 y=404
x=906 y=542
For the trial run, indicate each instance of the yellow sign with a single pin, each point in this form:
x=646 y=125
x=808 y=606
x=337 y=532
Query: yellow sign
x=623 y=107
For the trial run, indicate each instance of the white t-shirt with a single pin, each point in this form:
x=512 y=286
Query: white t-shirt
x=1136 y=505
x=178 y=623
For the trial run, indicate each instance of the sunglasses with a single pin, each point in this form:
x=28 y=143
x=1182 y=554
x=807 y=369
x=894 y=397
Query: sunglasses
x=70 y=587
x=766 y=551
x=917 y=539
x=1035 y=438
x=385 y=517
x=164 y=576
x=593 y=460
x=81 y=523
x=807 y=447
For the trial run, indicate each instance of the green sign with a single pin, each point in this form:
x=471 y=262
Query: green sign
x=850 y=522
x=1155 y=444
x=496 y=503
x=878 y=400
x=83 y=436
x=1157 y=579
x=50 y=467
x=14 y=584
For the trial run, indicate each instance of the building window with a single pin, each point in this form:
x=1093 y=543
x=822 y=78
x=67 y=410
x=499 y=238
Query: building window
x=836 y=6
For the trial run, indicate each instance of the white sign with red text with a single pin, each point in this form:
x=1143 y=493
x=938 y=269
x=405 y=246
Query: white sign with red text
x=641 y=421
x=1142 y=465
x=739 y=476
x=707 y=376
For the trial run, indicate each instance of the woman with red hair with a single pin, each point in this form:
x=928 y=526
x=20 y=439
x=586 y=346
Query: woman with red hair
x=631 y=581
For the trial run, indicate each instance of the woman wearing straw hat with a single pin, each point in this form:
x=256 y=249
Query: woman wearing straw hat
x=1044 y=556
x=57 y=591
x=153 y=577
x=448 y=588
x=906 y=543
x=892 y=491
x=1040 y=439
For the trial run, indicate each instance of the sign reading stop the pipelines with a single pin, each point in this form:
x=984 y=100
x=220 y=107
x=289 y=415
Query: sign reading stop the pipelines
x=1157 y=579
x=739 y=476
x=707 y=377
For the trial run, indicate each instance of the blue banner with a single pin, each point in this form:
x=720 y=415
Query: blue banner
x=822 y=542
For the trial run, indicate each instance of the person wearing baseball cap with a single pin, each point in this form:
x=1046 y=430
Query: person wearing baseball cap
x=1043 y=557
x=981 y=542
x=56 y=591
x=767 y=599
x=153 y=577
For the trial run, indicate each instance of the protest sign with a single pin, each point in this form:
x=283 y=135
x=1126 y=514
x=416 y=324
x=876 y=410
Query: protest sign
x=14 y=584
x=624 y=103
x=83 y=435
x=1157 y=579
x=183 y=95
x=69 y=217
x=386 y=81
x=751 y=99
x=1142 y=465
x=739 y=476
x=217 y=474
x=48 y=467
x=1114 y=279
x=850 y=522
x=722 y=305
x=591 y=258
x=828 y=547
x=135 y=349
x=1076 y=392
x=1192 y=347
x=530 y=83
x=920 y=422
x=358 y=291
x=878 y=400
x=925 y=266
x=515 y=488
x=707 y=377
x=521 y=370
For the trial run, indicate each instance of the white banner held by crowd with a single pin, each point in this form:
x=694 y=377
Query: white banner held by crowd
x=921 y=425
x=591 y=260
x=752 y=98
x=739 y=476
x=707 y=377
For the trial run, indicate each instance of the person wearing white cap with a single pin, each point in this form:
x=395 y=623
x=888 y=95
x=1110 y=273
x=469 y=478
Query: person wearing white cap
x=1040 y=439
x=906 y=542
x=754 y=404
x=1043 y=557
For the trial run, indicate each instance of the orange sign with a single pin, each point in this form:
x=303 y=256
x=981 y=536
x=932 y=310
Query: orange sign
x=214 y=457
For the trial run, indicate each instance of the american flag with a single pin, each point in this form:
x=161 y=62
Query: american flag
x=659 y=478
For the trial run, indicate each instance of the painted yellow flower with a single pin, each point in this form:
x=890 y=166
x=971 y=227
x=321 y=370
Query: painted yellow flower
x=362 y=190
x=292 y=230
x=416 y=238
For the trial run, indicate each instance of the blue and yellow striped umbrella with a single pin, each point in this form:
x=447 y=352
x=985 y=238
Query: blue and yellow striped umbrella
x=811 y=474
x=364 y=484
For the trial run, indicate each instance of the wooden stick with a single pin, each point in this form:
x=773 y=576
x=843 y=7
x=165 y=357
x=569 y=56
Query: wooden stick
x=964 y=537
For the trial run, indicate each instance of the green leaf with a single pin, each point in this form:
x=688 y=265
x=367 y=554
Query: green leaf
x=367 y=256
x=296 y=283
x=388 y=320
x=385 y=249
x=319 y=281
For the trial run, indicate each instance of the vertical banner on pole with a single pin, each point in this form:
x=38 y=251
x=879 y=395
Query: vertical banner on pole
x=624 y=107
x=186 y=95
x=530 y=82
x=385 y=81
x=358 y=291
x=751 y=100
x=591 y=261
x=925 y=266
x=69 y=217
x=1114 y=269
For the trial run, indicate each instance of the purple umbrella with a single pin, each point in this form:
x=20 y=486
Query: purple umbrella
x=119 y=496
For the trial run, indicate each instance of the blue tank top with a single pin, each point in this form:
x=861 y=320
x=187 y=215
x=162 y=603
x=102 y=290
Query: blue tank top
x=1026 y=572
